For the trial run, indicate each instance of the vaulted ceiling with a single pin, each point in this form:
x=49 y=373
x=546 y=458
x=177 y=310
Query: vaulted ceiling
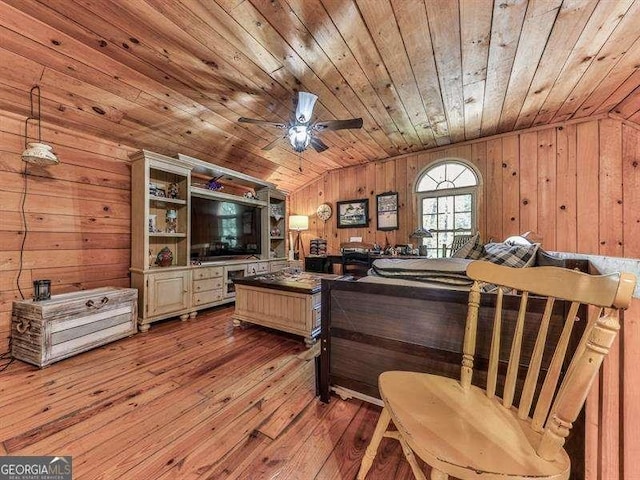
x=173 y=76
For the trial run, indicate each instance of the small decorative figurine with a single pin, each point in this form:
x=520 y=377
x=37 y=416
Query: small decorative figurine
x=214 y=184
x=173 y=191
x=164 y=257
x=172 y=221
x=152 y=224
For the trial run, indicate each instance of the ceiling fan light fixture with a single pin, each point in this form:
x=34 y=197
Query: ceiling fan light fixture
x=304 y=108
x=299 y=137
x=299 y=129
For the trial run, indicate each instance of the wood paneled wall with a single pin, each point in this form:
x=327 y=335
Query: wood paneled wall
x=563 y=182
x=77 y=216
x=578 y=186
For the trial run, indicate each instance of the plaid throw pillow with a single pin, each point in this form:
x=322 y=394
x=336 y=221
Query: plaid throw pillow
x=472 y=249
x=510 y=255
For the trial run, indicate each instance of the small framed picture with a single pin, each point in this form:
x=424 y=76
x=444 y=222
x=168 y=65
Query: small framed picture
x=353 y=213
x=387 y=211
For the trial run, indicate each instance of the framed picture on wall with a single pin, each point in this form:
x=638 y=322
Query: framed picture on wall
x=353 y=213
x=387 y=211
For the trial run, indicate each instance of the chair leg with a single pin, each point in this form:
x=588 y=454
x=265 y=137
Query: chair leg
x=438 y=475
x=411 y=458
x=370 y=453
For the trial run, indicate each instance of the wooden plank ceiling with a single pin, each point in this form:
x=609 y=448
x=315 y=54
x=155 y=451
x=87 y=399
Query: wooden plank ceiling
x=173 y=76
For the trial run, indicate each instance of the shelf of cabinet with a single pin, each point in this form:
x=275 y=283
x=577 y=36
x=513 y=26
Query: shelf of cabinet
x=174 y=201
x=215 y=194
x=165 y=234
x=277 y=238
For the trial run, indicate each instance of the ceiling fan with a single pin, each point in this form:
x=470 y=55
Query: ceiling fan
x=300 y=131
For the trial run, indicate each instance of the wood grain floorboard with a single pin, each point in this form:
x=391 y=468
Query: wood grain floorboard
x=190 y=400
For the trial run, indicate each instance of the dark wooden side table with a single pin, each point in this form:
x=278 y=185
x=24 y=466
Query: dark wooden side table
x=318 y=264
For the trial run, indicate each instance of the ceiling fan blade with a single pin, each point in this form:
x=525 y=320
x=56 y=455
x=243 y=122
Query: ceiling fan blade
x=272 y=144
x=338 y=124
x=262 y=122
x=304 y=106
x=317 y=144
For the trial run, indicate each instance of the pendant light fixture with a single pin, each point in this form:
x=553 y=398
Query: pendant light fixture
x=37 y=153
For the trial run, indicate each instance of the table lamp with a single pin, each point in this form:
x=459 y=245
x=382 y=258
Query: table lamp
x=421 y=233
x=297 y=223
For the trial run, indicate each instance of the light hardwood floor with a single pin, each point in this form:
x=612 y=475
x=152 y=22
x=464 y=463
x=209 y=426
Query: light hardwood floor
x=190 y=400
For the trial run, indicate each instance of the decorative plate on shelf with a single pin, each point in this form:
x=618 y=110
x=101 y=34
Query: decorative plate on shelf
x=324 y=212
x=277 y=211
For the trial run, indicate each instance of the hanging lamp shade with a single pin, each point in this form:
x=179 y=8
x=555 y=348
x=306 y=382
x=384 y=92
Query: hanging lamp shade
x=37 y=153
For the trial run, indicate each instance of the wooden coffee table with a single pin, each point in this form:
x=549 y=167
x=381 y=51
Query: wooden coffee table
x=283 y=301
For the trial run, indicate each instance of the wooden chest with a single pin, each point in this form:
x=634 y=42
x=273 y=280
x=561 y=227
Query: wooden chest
x=50 y=330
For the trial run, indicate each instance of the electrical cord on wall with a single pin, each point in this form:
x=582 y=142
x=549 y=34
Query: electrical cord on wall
x=7 y=354
x=24 y=236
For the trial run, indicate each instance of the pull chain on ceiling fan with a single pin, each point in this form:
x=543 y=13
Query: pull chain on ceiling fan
x=300 y=131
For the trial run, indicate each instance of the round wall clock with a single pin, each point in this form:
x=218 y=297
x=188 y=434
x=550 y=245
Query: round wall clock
x=324 y=212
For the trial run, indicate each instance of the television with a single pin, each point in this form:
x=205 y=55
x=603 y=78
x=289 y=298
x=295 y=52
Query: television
x=222 y=228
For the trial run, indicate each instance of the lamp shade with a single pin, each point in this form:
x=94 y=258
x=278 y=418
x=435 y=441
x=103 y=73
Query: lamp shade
x=304 y=108
x=421 y=232
x=39 y=154
x=298 y=222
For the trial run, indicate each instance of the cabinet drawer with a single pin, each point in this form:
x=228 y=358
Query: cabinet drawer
x=257 y=268
x=207 y=284
x=207 y=272
x=279 y=265
x=203 y=298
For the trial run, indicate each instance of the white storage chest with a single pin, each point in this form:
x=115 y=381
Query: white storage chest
x=50 y=330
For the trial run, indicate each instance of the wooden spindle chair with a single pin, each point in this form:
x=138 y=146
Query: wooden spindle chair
x=467 y=432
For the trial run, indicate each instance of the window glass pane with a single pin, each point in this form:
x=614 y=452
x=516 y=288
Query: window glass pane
x=431 y=242
x=444 y=238
x=430 y=205
x=445 y=221
x=466 y=179
x=438 y=173
x=463 y=222
x=426 y=184
x=430 y=222
x=445 y=204
x=453 y=170
x=463 y=203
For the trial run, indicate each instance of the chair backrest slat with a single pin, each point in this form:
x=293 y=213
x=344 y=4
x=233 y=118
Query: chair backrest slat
x=494 y=355
x=557 y=406
x=593 y=314
x=514 y=357
x=531 y=379
x=553 y=374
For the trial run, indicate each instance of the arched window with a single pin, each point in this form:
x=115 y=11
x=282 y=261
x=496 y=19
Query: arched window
x=447 y=203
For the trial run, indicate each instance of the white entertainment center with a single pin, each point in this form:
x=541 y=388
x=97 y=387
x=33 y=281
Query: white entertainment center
x=175 y=277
